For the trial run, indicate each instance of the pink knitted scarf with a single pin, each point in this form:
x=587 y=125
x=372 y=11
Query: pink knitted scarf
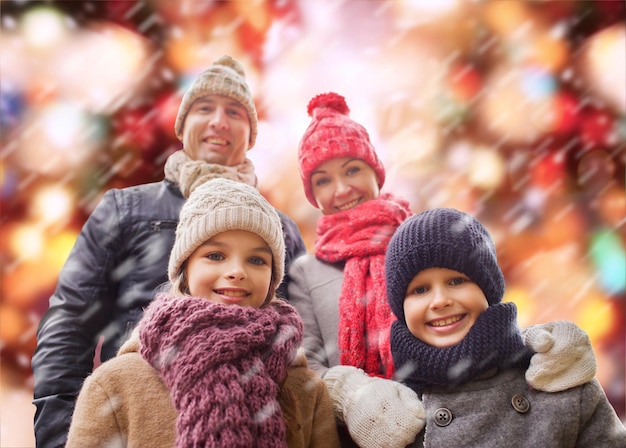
x=359 y=237
x=224 y=365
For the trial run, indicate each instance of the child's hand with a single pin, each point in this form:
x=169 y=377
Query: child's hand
x=379 y=413
x=563 y=356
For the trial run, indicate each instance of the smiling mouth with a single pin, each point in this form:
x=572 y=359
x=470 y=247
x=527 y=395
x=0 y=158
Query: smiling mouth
x=349 y=205
x=444 y=322
x=216 y=141
x=231 y=293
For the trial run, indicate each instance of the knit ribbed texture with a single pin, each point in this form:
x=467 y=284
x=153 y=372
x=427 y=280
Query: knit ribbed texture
x=379 y=413
x=493 y=342
x=359 y=236
x=442 y=238
x=564 y=356
x=220 y=205
x=189 y=174
x=333 y=134
x=223 y=365
x=225 y=77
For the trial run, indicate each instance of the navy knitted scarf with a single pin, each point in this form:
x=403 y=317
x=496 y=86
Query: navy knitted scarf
x=494 y=341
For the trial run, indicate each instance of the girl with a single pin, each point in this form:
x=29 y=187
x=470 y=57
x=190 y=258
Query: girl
x=213 y=361
x=340 y=290
x=461 y=350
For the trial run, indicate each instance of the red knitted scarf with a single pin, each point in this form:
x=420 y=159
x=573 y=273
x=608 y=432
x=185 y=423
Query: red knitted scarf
x=223 y=365
x=359 y=237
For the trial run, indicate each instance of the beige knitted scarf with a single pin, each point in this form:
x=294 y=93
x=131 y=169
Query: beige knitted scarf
x=189 y=174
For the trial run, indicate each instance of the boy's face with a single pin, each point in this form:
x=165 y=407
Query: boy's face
x=441 y=305
x=217 y=130
x=233 y=268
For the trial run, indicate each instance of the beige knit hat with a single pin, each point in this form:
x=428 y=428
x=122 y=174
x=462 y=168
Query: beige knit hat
x=220 y=205
x=225 y=77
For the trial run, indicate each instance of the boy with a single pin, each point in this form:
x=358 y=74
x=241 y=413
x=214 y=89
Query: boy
x=460 y=349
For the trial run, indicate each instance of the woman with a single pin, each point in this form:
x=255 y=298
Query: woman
x=340 y=290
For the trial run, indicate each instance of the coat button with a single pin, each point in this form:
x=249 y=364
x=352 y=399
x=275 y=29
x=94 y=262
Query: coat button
x=520 y=403
x=443 y=417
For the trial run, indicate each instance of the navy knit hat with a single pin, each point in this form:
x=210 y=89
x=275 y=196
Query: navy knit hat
x=441 y=238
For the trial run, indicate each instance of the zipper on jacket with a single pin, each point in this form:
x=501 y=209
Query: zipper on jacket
x=157 y=226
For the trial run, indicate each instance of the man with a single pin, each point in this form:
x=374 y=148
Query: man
x=121 y=254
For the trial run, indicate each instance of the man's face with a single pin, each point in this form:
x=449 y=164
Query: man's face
x=217 y=130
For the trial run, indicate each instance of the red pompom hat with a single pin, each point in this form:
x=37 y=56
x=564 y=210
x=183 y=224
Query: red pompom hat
x=333 y=134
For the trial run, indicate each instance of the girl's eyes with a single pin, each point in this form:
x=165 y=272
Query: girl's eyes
x=258 y=261
x=217 y=256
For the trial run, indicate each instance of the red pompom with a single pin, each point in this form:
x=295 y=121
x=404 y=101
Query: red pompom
x=330 y=100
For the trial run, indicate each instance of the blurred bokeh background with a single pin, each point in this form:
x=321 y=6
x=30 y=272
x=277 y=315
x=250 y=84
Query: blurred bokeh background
x=512 y=110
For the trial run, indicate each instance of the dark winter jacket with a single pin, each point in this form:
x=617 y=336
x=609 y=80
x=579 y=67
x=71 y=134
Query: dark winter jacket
x=119 y=259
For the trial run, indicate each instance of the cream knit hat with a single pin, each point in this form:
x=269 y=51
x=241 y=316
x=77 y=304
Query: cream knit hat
x=225 y=77
x=220 y=205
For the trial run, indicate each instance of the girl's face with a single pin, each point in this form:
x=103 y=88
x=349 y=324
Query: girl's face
x=343 y=183
x=233 y=268
x=441 y=305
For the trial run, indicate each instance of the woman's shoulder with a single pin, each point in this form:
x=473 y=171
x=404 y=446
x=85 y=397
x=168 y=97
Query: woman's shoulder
x=307 y=262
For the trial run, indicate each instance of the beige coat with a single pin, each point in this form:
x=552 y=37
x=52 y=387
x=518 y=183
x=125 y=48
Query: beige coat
x=124 y=403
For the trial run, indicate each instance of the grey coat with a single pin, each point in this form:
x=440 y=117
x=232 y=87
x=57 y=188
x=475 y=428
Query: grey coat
x=314 y=290
x=482 y=411
x=504 y=411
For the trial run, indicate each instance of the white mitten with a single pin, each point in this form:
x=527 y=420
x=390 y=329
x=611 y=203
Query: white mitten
x=563 y=358
x=379 y=413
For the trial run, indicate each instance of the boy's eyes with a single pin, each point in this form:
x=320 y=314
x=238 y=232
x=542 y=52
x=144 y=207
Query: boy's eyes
x=455 y=281
x=215 y=256
x=418 y=290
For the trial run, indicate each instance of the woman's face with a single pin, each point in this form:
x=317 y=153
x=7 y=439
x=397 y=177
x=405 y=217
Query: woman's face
x=343 y=183
x=441 y=305
x=233 y=268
